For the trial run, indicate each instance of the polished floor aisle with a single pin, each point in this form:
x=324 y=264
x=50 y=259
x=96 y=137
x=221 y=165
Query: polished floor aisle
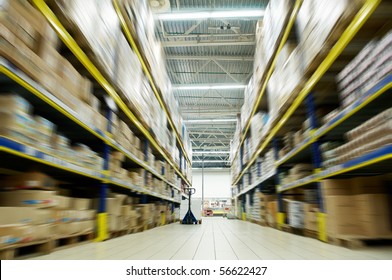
x=216 y=239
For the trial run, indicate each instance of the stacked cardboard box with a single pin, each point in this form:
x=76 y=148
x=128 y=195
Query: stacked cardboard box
x=285 y=79
x=369 y=67
x=272 y=210
x=358 y=206
x=310 y=216
x=315 y=22
x=298 y=172
x=296 y=213
x=20 y=125
x=74 y=215
x=266 y=210
x=40 y=214
x=258 y=128
x=369 y=136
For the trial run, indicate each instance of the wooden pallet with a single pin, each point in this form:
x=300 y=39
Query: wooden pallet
x=311 y=233
x=260 y=223
x=136 y=229
x=118 y=233
x=28 y=249
x=358 y=241
x=290 y=229
x=66 y=241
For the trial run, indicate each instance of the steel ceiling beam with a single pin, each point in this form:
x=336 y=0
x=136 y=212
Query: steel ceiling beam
x=217 y=57
x=208 y=43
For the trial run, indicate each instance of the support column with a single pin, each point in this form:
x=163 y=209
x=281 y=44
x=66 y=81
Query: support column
x=317 y=162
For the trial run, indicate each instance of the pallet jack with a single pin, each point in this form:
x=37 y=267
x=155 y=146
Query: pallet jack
x=189 y=218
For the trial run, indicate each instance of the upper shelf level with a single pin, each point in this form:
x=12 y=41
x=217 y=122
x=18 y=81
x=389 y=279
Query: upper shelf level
x=261 y=99
x=125 y=24
x=342 y=46
x=106 y=85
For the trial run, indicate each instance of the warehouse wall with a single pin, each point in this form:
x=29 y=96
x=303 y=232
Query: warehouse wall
x=216 y=182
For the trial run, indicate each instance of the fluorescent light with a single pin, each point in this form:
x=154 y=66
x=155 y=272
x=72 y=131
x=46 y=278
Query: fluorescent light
x=210 y=152
x=210 y=161
x=209 y=120
x=254 y=13
x=208 y=87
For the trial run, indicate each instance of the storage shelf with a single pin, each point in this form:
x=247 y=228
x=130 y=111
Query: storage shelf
x=93 y=70
x=381 y=155
x=285 y=32
x=380 y=90
x=20 y=150
x=25 y=151
x=17 y=76
x=270 y=175
x=134 y=46
x=141 y=190
x=355 y=25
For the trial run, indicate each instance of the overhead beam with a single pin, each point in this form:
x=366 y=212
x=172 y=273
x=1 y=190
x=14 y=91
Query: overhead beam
x=218 y=57
x=208 y=43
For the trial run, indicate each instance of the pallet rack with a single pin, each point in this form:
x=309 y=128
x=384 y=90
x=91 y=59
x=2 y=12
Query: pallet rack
x=371 y=15
x=51 y=107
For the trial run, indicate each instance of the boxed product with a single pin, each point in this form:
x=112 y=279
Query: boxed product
x=15 y=233
x=341 y=215
x=373 y=212
x=29 y=180
x=28 y=198
x=296 y=213
x=114 y=223
x=44 y=231
x=80 y=203
x=12 y=103
x=18 y=215
x=310 y=216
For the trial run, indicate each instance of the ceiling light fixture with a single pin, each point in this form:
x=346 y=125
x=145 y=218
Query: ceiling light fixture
x=210 y=152
x=254 y=13
x=209 y=120
x=207 y=87
x=210 y=161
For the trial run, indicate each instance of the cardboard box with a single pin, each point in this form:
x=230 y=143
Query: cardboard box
x=18 y=215
x=15 y=233
x=87 y=215
x=336 y=187
x=30 y=180
x=87 y=226
x=80 y=203
x=133 y=222
x=45 y=216
x=68 y=228
x=113 y=222
x=372 y=204
x=296 y=214
x=126 y=210
x=66 y=216
x=11 y=103
x=63 y=202
x=28 y=198
x=21 y=56
x=310 y=216
x=113 y=206
x=44 y=231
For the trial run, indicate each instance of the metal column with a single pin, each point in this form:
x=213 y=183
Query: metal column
x=102 y=217
x=317 y=161
x=281 y=216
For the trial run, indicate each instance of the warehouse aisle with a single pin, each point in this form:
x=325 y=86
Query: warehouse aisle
x=216 y=239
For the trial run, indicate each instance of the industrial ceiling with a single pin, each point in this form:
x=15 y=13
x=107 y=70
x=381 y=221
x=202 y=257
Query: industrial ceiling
x=209 y=61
